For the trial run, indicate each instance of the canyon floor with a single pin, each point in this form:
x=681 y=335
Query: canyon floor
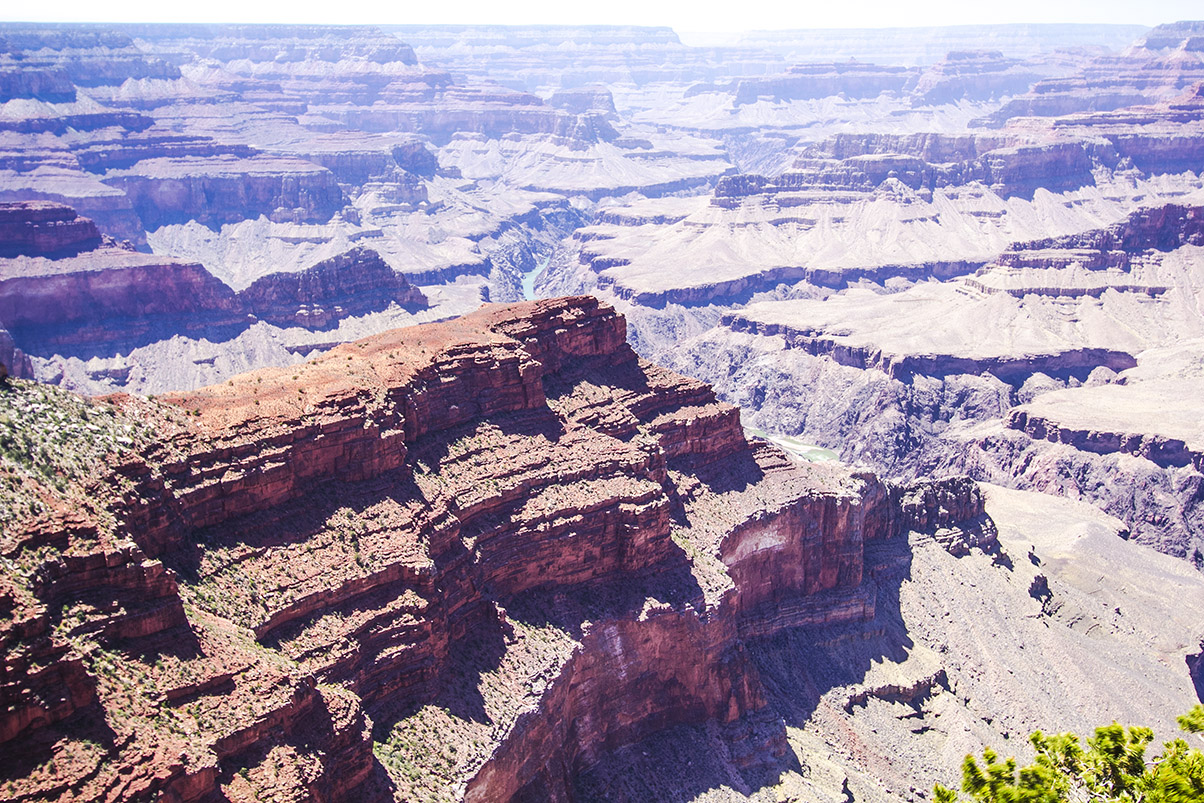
x=851 y=422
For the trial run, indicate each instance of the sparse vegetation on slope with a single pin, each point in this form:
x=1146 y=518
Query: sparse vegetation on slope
x=51 y=441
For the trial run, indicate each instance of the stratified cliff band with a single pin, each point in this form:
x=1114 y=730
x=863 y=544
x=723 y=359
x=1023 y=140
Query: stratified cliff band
x=511 y=541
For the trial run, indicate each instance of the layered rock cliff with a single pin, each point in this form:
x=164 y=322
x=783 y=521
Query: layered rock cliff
x=351 y=283
x=475 y=532
x=809 y=81
x=254 y=149
x=423 y=565
x=1016 y=170
x=1063 y=365
x=65 y=290
x=1157 y=67
x=226 y=188
x=39 y=228
x=108 y=295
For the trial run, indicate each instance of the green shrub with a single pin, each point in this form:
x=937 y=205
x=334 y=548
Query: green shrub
x=1112 y=769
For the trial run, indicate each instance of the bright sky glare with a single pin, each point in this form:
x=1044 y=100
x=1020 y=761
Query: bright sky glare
x=683 y=15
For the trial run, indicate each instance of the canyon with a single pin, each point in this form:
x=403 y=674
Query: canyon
x=907 y=298
x=504 y=557
x=414 y=412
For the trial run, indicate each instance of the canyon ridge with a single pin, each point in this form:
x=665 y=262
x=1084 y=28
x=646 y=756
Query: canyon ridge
x=566 y=413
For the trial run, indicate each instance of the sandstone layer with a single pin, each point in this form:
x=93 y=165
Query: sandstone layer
x=496 y=558
x=466 y=157
x=255 y=150
x=70 y=292
x=433 y=480
x=37 y=228
x=903 y=291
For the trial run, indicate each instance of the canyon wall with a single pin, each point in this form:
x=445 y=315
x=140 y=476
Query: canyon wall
x=69 y=291
x=1092 y=401
x=503 y=557
x=409 y=528
x=43 y=229
x=354 y=282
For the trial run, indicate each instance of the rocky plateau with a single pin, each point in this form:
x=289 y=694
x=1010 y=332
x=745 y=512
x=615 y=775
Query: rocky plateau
x=504 y=557
x=842 y=416
x=905 y=298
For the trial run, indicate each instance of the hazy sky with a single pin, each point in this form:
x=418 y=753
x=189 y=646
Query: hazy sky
x=684 y=15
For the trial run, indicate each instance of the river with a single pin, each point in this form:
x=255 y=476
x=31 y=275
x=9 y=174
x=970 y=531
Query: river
x=796 y=447
x=529 y=279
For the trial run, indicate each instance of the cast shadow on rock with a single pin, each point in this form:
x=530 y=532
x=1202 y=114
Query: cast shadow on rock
x=435 y=449
x=798 y=666
x=794 y=668
x=480 y=649
x=87 y=726
x=1195 y=666
x=313 y=730
x=291 y=525
x=119 y=336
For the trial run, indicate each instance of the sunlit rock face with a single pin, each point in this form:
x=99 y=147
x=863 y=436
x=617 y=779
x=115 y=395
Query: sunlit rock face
x=1062 y=358
x=357 y=564
x=255 y=150
x=402 y=510
x=370 y=541
x=893 y=294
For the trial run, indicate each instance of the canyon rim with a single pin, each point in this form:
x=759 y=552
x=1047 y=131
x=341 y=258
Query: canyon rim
x=568 y=413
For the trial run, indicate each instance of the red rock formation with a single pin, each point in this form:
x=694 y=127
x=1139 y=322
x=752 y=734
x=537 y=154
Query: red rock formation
x=972 y=75
x=90 y=57
x=584 y=100
x=796 y=561
x=352 y=283
x=108 y=294
x=440 y=111
x=52 y=85
x=54 y=175
x=969 y=75
x=931 y=147
x=1163 y=228
x=100 y=154
x=385 y=527
x=41 y=228
x=82 y=121
x=629 y=679
x=267 y=43
x=415 y=158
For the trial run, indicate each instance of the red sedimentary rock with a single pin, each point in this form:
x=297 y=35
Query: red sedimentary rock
x=404 y=528
x=61 y=283
x=42 y=228
x=351 y=283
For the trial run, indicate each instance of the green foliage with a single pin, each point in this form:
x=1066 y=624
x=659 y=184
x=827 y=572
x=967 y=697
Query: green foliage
x=1112 y=769
x=1193 y=720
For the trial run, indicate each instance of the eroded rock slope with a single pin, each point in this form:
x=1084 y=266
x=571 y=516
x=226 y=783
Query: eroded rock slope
x=477 y=532
x=907 y=297
x=483 y=560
